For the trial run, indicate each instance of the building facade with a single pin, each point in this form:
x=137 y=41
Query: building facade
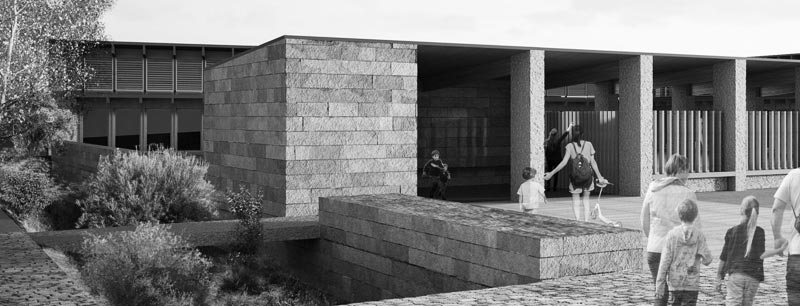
x=305 y=117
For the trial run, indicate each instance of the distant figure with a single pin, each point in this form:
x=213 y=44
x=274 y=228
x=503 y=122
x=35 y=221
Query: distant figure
x=434 y=169
x=531 y=193
x=788 y=194
x=552 y=154
x=659 y=210
x=742 y=257
x=581 y=181
x=684 y=249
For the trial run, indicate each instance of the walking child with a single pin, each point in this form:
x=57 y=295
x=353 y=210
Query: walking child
x=434 y=169
x=742 y=257
x=531 y=193
x=683 y=251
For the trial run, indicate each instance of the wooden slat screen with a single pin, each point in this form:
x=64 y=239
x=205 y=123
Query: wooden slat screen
x=102 y=64
x=600 y=128
x=159 y=70
x=130 y=69
x=189 y=71
x=694 y=134
x=772 y=138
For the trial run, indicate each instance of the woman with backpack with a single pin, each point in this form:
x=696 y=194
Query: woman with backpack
x=581 y=181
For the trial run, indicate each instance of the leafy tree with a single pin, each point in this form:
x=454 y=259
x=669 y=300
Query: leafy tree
x=42 y=43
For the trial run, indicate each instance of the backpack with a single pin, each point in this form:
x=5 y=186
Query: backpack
x=582 y=172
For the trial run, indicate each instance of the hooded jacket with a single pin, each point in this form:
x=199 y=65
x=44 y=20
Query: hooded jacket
x=677 y=266
x=664 y=195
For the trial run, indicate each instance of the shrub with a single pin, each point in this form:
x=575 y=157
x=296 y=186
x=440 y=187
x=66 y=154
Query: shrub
x=25 y=189
x=157 y=186
x=149 y=266
x=63 y=213
x=247 y=208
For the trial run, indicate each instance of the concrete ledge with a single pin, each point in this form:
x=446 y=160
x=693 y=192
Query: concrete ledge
x=208 y=233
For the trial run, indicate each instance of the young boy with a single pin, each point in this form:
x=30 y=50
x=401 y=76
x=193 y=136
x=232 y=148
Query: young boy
x=531 y=193
x=684 y=249
x=434 y=169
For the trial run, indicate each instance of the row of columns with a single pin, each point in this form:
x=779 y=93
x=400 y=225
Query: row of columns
x=635 y=115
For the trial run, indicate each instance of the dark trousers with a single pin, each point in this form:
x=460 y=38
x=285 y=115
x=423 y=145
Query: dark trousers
x=793 y=279
x=653 y=260
x=438 y=190
x=683 y=298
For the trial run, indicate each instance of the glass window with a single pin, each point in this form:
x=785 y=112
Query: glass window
x=159 y=127
x=127 y=128
x=189 y=126
x=95 y=127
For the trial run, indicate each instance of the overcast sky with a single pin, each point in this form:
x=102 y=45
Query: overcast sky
x=704 y=27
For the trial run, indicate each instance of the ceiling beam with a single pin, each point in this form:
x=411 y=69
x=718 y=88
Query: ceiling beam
x=780 y=90
x=480 y=72
x=691 y=76
x=777 y=77
x=593 y=74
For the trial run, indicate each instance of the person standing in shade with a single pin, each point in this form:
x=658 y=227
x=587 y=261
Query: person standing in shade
x=581 y=154
x=788 y=194
x=434 y=169
x=659 y=212
x=552 y=154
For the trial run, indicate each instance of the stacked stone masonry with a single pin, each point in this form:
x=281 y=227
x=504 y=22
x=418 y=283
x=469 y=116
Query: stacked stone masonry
x=469 y=125
x=353 y=114
x=304 y=118
x=245 y=123
x=384 y=246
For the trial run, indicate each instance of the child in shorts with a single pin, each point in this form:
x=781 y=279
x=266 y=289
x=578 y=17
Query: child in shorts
x=531 y=193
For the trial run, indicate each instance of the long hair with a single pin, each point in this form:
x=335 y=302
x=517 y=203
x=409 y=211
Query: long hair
x=749 y=211
x=577 y=133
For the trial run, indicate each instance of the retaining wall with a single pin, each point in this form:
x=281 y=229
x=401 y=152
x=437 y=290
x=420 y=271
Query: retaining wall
x=75 y=162
x=207 y=233
x=374 y=247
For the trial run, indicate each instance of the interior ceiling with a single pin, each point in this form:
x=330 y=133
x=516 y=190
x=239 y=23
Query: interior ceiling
x=437 y=59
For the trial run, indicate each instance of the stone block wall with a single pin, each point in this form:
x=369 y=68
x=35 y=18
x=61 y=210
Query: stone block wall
x=351 y=123
x=245 y=123
x=386 y=246
x=75 y=162
x=469 y=125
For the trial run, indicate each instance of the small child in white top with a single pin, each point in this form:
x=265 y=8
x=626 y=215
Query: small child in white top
x=531 y=193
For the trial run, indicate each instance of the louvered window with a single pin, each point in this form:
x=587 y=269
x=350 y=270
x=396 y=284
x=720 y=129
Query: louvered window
x=215 y=56
x=130 y=69
x=189 y=71
x=159 y=70
x=102 y=65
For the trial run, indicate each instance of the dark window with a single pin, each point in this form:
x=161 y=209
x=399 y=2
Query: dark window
x=127 y=129
x=159 y=127
x=189 y=126
x=95 y=127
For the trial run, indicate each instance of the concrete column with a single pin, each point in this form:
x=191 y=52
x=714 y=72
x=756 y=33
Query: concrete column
x=635 y=125
x=682 y=97
x=730 y=97
x=604 y=98
x=754 y=102
x=796 y=88
x=527 y=115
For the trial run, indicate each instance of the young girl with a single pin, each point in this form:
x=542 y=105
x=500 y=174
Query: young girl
x=531 y=193
x=742 y=257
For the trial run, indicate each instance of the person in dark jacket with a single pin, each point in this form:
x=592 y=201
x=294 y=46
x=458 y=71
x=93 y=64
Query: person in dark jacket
x=552 y=155
x=435 y=169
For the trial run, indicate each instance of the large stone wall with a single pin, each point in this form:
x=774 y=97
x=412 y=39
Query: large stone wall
x=386 y=246
x=469 y=125
x=74 y=162
x=245 y=123
x=351 y=120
